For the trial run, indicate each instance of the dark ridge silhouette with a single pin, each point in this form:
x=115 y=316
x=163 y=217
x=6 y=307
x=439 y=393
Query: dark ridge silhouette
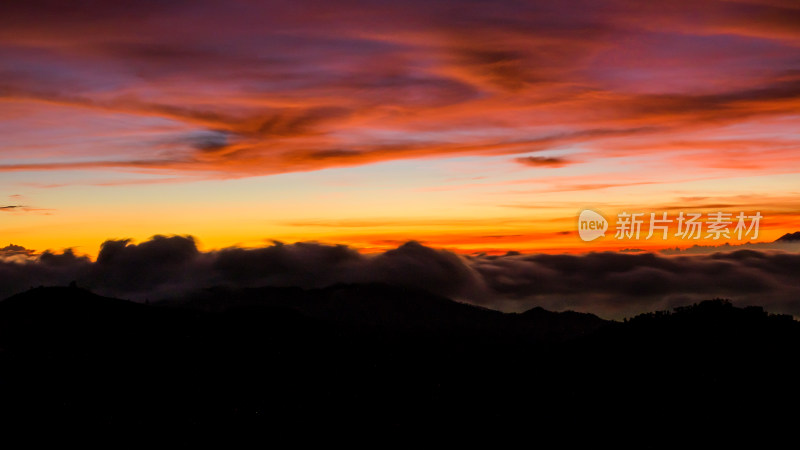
x=391 y=359
x=789 y=237
x=72 y=302
x=387 y=307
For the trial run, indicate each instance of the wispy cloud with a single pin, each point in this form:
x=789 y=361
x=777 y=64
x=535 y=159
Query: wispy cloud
x=542 y=161
x=275 y=90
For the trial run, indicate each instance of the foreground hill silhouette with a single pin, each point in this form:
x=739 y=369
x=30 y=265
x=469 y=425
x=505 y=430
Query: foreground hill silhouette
x=387 y=357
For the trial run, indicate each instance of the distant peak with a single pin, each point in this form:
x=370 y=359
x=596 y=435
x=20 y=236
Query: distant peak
x=790 y=237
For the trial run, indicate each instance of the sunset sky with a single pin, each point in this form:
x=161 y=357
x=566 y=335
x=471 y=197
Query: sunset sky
x=473 y=126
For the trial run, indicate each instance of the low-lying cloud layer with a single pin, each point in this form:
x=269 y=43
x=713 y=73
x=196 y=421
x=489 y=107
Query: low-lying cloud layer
x=612 y=285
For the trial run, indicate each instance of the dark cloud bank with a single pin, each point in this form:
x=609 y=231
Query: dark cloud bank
x=612 y=285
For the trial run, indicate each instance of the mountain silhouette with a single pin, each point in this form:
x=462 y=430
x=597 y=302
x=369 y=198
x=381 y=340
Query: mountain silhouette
x=789 y=237
x=403 y=309
x=389 y=358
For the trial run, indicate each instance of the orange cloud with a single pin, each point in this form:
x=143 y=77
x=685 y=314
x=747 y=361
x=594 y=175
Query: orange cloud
x=433 y=84
x=636 y=104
